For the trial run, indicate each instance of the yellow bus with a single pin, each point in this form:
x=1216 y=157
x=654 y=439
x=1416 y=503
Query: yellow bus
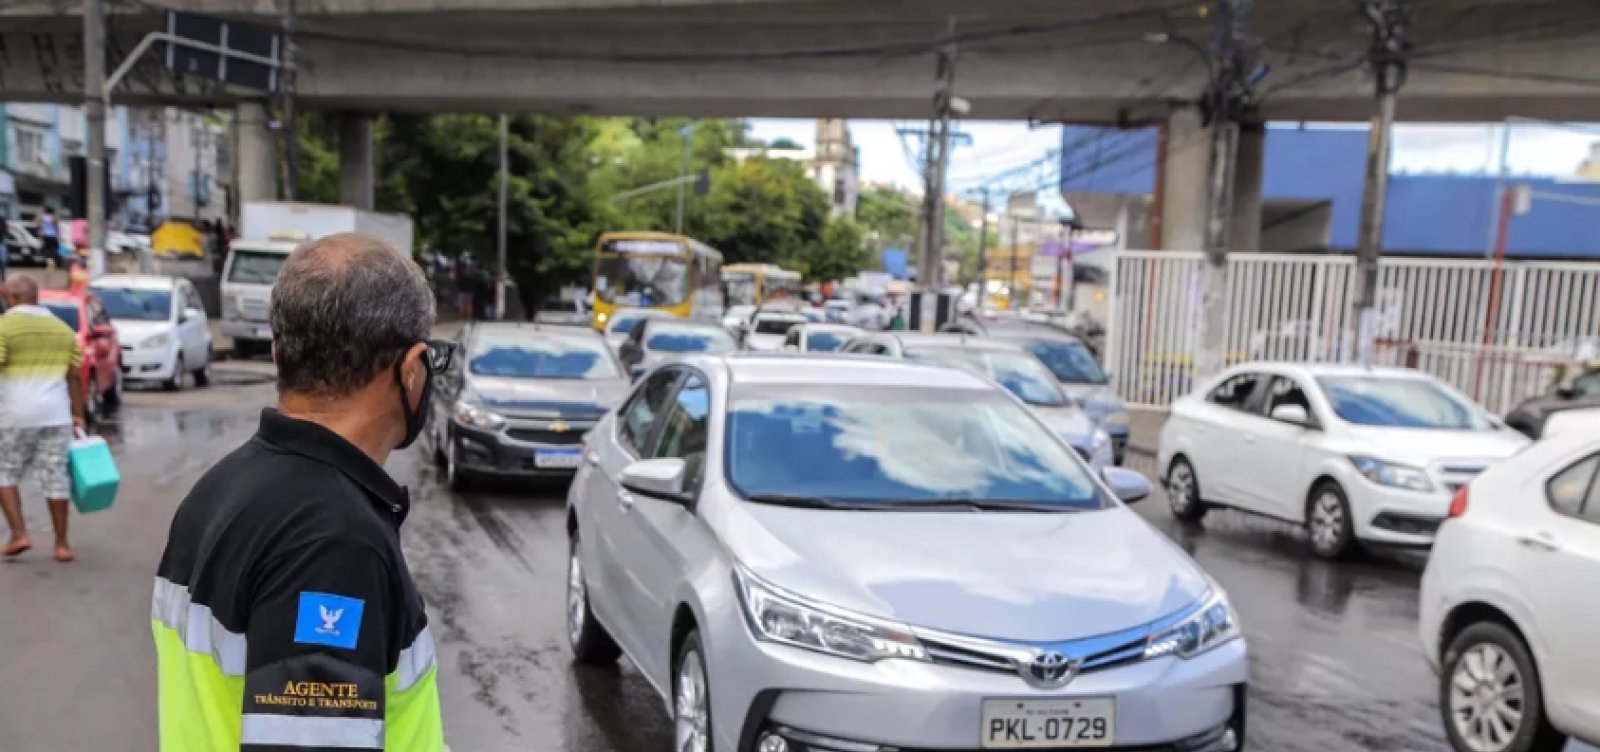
x=755 y=284
x=658 y=270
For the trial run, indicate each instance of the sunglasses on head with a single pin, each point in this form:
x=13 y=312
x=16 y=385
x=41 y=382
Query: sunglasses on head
x=439 y=354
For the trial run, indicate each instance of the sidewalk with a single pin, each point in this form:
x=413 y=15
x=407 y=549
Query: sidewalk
x=1145 y=429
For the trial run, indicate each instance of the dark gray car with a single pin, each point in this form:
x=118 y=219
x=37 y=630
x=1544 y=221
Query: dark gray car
x=1582 y=392
x=518 y=398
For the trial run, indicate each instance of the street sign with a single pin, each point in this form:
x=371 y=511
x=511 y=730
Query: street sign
x=241 y=54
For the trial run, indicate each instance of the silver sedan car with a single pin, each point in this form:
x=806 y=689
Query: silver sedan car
x=832 y=554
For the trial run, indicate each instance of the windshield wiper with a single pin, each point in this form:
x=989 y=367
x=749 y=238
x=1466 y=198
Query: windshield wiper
x=992 y=505
x=802 y=501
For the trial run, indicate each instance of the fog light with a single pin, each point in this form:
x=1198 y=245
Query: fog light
x=772 y=743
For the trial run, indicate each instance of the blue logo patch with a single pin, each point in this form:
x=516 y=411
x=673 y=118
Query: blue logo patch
x=331 y=620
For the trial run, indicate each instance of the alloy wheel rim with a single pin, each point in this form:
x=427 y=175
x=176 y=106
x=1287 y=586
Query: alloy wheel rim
x=1180 y=487
x=690 y=720
x=1487 y=700
x=577 y=595
x=1327 y=521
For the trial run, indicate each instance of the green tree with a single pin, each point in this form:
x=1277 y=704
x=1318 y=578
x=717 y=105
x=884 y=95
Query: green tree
x=888 y=218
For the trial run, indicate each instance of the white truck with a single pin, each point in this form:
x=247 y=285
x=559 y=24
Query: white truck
x=268 y=232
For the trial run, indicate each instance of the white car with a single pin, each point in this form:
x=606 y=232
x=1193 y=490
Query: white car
x=1354 y=453
x=819 y=337
x=162 y=326
x=625 y=319
x=1507 y=613
x=767 y=330
x=737 y=316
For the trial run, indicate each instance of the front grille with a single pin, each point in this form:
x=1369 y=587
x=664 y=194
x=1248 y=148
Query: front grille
x=569 y=437
x=1407 y=523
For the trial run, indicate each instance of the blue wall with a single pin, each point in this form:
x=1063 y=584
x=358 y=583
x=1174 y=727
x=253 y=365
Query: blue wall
x=1446 y=215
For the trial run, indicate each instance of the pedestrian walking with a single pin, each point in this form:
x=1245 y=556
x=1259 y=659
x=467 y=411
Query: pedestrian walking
x=41 y=402
x=283 y=583
x=49 y=234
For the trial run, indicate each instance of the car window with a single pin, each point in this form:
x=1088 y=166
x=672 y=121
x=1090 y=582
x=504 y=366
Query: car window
x=1568 y=489
x=679 y=339
x=775 y=325
x=1019 y=372
x=1400 y=402
x=824 y=341
x=684 y=429
x=1235 y=391
x=1069 y=361
x=1587 y=385
x=639 y=415
x=792 y=339
x=524 y=356
x=1284 y=391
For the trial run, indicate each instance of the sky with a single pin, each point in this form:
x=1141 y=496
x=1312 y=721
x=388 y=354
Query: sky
x=998 y=146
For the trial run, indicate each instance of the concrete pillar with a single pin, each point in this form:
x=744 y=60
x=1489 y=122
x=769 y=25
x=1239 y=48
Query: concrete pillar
x=357 y=172
x=1245 y=229
x=257 y=162
x=1184 y=182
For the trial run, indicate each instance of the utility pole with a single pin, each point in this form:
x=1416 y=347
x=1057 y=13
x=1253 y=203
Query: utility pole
x=936 y=161
x=687 y=132
x=94 y=79
x=1390 y=47
x=983 y=250
x=1013 y=301
x=1226 y=101
x=291 y=124
x=500 y=246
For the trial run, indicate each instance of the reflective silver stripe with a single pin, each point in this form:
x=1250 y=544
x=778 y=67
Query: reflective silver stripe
x=415 y=661
x=201 y=632
x=302 y=731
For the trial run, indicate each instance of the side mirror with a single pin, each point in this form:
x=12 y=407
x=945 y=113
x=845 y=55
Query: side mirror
x=102 y=331
x=1291 y=414
x=190 y=314
x=1129 y=486
x=658 y=479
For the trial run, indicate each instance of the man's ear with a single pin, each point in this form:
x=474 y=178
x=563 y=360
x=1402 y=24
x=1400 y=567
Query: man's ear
x=413 y=360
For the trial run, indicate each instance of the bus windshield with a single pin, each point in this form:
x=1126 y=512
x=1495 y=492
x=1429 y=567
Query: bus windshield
x=741 y=289
x=642 y=281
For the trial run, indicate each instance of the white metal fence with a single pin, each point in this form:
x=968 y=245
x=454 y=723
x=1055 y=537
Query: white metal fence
x=1498 y=333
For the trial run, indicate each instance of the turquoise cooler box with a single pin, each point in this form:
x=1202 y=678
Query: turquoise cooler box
x=94 y=474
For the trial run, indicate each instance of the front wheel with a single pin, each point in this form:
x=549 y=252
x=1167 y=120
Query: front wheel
x=1490 y=696
x=454 y=477
x=202 y=375
x=92 y=400
x=176 y=382
x=691 y=717
x=591 y=643
x=1183 y=491
x=1328 y=524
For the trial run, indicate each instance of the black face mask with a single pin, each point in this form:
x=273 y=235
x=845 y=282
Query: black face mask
x=417 y=419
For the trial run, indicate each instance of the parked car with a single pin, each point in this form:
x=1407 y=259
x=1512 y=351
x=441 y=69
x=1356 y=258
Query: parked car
x=1506 y=615
x=162 y=326
x=1080 y=374
x=656 y=340
x=808 y=553
x=1354 y=453
x=1578 y=393
x=837 y=311
x=767 y=328
x=517 y=398
x=23 y=248
x=623 y=321
x=819 y=337
x=1008 y=365
x=736 y=316
x=101 y=370
x=561 y=311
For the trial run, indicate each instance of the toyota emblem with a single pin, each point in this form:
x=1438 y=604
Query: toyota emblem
x=1049 y=669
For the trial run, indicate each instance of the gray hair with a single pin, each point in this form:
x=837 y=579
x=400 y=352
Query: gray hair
x=346 y=307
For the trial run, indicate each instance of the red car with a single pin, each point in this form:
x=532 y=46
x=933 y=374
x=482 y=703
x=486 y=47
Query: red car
x=102 y=355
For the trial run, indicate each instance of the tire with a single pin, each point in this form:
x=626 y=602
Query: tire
x=435 y=438
x=92 y=400
x=175 y=383
x=1487 y=668
x=1330 y=531
x=202 y=375
x=1183 y=491
x=691 y=715
x=112 y=400
x=454 y=477
x=591 y=643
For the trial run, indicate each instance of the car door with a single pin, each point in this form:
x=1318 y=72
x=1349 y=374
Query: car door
x=1557 y=553
x=1215 y=441
x=192 y=330
x=1277 y=450
x=654 y=532
x=620 y=584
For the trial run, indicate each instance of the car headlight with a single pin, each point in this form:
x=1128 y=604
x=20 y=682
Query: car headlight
x=1392 y=475
x=1214 y=624
x=478 y=417
x=777 y=616
x=154 y=341
x=601 y=317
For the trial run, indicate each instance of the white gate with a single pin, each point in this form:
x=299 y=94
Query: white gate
x=1498 y=333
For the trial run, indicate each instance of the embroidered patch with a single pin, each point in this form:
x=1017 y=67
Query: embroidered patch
x=332 y=620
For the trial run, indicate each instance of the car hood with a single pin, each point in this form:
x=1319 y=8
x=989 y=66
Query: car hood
x=1028 y=576
x=133 y=332
x=570 y=398
x=1070 y=423
x=1422 y=447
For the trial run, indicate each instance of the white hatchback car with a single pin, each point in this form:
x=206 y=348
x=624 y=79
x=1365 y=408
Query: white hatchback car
x=1508 y=613
x=162 y=326
x=1354 y=453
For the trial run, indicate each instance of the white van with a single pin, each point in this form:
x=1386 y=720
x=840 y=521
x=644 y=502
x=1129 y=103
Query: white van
x=247 y=280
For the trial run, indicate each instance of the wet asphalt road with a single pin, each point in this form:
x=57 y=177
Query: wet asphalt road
x=1335 y=658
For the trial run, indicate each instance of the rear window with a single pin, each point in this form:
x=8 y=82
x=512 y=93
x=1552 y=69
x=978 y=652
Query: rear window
x=255 y=267
x=825 y=341
x=67 y=312
x=690 y=340
x=1070 y=362
x=775 y=326
x=532 y=357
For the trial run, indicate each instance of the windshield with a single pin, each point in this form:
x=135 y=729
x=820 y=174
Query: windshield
x=533 y=357
x=826 y=341
x=1587 y=385
x=136 y=305
x=67 y=312
x=1020 y=373
x=1070 y=362
x=255 y=267
x=775 y=326
x=642 y=281
x=1399 y=403
x=683 y=339
x=907 y=445
x=741 y=289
